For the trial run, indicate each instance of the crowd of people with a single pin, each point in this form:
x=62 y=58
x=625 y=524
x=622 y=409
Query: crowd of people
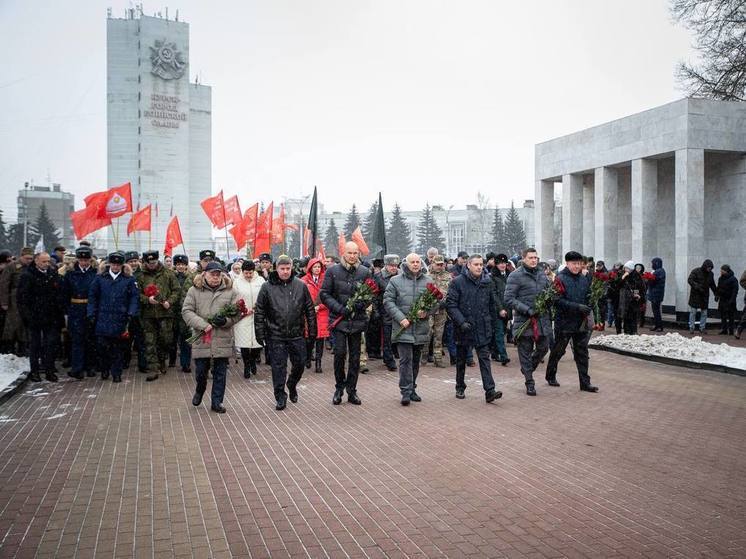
x=96 y=316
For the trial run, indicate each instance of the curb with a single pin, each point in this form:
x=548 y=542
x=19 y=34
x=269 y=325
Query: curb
x=673 y=361
x=13 y=388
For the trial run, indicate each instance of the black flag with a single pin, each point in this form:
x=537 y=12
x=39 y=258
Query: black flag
x=377 y=244
x=312 y=226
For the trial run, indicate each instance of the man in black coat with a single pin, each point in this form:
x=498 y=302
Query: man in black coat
x=340 y=283
x=571 y=321
x=283 y=309
x=701 y=281
x=382 y=278
x=40 y=305
x=472 y=305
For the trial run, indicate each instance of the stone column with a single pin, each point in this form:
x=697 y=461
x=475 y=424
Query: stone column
x=589 y=209
x=544 y=218
x=689 y=192
x=644 y=199
x=572 y=213
x=606 y=215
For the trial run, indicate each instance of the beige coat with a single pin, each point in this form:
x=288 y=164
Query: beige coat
x=248 y=291
x=200 y=304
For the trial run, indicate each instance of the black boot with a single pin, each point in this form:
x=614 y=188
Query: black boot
x=104 y=375
x=34 y=376
x=318 y=366
x=246 y=370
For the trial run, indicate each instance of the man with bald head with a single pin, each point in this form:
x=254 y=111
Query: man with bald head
x=340 y=283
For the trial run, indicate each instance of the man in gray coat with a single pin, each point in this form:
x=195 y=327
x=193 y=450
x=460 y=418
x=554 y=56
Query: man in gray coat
x=521 y=290
x=401 y=293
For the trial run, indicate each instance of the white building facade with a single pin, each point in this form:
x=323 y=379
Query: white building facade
x=159 y=128
x=668 y=182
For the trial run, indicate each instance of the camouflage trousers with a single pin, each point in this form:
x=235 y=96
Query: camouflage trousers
x=158 y=334
x=438 y=325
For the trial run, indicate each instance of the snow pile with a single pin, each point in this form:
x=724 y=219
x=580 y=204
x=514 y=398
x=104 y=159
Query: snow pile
x=11 y=367
x=676 y=346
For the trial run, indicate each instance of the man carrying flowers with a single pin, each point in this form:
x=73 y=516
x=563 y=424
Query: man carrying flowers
x=404 y=301
x=571 y=322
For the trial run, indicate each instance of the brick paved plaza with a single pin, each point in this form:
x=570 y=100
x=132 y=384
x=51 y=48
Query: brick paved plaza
x=652 y=466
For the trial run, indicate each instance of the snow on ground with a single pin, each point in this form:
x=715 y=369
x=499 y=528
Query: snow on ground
x=10 y=368
x=676 y=346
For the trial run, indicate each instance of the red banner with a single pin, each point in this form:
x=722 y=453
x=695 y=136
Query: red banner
x=111 y=203
x=245 y=230
x=263 y=242
x=341 y=242
x=232 y=211
x=86 y=221
x=173 y=236
x=140 y=220
x=278 y=227
x=215 y=209
x=357 y=237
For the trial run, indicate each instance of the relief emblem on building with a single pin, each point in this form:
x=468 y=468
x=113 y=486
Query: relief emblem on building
x=168 y=62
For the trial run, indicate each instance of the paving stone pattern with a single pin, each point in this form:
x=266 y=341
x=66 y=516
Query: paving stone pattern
x=652 y=466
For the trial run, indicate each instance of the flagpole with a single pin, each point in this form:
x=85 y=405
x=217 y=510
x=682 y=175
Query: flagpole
x=227 y=247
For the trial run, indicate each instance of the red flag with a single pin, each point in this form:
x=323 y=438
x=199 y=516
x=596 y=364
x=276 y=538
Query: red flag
x=341 y=242
x=173 y=236
x=215 y=209
x=278 y=227
x=263 y=238
x=111 y=203
x=245 y=230
x=232 y=211
x=140 y=220
x=307 y=248
x=357 y=237
x=86 y=221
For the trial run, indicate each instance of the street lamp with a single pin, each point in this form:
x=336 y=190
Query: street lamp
x=448 y=232
x=302 y=232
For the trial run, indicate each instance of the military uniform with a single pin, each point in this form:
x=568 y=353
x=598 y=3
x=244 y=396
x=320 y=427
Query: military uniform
x=14 y=332
x=181 y=330
x=441 y=280
x=76 y=284
x=157 y=320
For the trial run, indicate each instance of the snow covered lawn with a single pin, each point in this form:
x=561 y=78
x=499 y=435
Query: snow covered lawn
x=676 y=346
x=10 y=367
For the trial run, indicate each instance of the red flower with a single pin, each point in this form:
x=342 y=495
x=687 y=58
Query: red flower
x=559 y=286
x=241 y=304
x=647 y=276
x=370 y=282
x=602 y=276
x=612 y=275
x=151 y=290
x=433 y=289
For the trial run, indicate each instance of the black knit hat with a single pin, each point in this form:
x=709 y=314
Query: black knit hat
x=573 y=256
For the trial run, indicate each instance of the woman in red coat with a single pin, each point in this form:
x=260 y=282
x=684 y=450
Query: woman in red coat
x=314 y=278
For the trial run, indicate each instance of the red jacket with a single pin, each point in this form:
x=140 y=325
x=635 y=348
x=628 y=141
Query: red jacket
x=314 y=287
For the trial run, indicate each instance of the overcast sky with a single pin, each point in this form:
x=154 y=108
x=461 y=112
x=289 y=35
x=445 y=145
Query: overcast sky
x=423 y=100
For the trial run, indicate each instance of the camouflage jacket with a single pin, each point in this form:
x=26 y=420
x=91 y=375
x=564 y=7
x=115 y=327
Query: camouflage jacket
x=168 y=287
x=442 y=280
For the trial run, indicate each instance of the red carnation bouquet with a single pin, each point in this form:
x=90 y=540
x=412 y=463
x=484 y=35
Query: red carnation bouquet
x=544 y=303
x=232 y=310
x=365 y=292
x=649 y=277
x=425 y=302
x=151 y=291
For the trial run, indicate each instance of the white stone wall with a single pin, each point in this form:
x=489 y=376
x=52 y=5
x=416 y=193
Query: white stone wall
x=200 y=168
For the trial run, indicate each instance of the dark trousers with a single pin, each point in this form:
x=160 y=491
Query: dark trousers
x=251 y=356
x=485 y=367
x=388 y=353
x=409 y=367
x=111 y=355
x=344 y=345
x=579 y=350
x=314 y=343
x=219 y=371
x=530 y=354
x=497 y=346
x=657 y=318
x=373 y=337
x=279 y=351
x=185 y=350
x=138 y=342
x=727 y=320
x=628 y=322
x=83 y=342
x=42 y=348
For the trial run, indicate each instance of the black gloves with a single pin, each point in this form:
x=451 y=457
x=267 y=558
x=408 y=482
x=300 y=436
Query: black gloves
x=219 y=321
x=585 y=309
x=465 y=327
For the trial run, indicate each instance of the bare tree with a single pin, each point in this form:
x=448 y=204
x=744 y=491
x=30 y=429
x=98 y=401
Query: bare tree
x=482 y=223
x=719 y=27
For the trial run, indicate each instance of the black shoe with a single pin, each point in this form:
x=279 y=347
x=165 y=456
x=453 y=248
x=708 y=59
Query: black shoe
x=51 y=376
x=104 y=375
x=280 y=405
x=589 y=388
x=171 y=364
x=737 y=335
x=90 y=373
x=405 y=400
x=429 y=358
x=196 y=399
x=337 y=399
x=453 y=360
x=151 y=378
x=116 y=378
x=471 y=364
x=218 y=408
x=364 y=370
x=530 y=390
x=504 y=362
x=253 y=368
x=293 y=392
x=722 y=333
x=78 y=376
x=186 y=369
x=318 y=366
x=415 y=397
x=353 y=399
x=552 y=382
x=66 y=364
x=392 y=367
x=460 y=393
x=308 y=363
x=493 y=395
x=34 y=376
x=246 y=373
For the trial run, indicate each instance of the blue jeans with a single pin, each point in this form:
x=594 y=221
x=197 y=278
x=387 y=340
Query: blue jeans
x=219 y=369
x=702 y=319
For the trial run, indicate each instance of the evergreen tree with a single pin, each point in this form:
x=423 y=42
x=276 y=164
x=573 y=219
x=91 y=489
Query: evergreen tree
x=46 y=229
x=15 y=238
x=429 y=234
x=498 y=233
x=398 y=234
x=352 y=222
x=515 y=235
x=369 y=222
x=3 y=232
x=331 y=239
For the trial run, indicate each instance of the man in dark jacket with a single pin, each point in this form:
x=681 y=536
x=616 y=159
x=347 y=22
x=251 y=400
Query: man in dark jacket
x=701 y=281
x=727 y=296
x=571 y=321
x=283 y=308
x=390 y=269
x=742 y=324
x=656 y=293
x=521 y=289
x=500 y=275
x=41 y=308
x=472 y=306
x=76 y=285
x=113 y=301
x=340 y=283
